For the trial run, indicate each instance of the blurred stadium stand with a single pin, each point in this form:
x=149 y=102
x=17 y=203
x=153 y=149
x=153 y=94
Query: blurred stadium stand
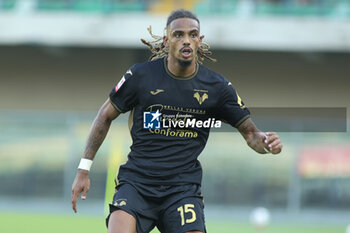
x=323 y=8
x=322 y=25
x=60 y=58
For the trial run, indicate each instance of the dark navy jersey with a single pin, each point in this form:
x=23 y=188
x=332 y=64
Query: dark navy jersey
x=168 y=156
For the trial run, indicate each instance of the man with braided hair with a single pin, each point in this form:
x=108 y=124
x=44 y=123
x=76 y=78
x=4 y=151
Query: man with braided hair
x=160 y=184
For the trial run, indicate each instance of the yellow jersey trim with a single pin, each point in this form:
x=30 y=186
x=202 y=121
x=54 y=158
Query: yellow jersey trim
x=241 y=121
x=179 y=77
x=115 y=106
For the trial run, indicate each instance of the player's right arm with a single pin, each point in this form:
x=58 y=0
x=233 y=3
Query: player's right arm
x=98 y=132
x=122 y=98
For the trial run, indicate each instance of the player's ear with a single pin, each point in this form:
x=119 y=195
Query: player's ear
x=201 y=39
x=165 y=41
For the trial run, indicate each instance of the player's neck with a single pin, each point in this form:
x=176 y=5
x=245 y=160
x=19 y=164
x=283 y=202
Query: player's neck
x=181 y=71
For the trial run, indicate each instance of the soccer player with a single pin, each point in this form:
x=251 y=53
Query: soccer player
x=160 y=184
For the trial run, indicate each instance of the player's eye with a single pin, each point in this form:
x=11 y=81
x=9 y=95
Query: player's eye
x=177 y=34
x=194 y=35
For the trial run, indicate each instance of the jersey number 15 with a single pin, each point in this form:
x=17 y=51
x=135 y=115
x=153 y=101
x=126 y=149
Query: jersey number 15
x=187 y=208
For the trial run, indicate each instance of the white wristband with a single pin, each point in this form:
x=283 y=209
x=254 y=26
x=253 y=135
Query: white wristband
x=85 y=164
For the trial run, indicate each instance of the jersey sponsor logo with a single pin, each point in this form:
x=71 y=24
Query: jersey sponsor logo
x=156 y=91
x=175 y=133
x=161 y=107
x=151 y=120
x=121 y=82
x=176 y=121
x=200 y=98
x=191 y=123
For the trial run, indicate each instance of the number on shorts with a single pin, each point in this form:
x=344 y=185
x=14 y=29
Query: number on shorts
x=187 y=208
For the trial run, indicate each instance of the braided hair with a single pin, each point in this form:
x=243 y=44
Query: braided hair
x=159 y=50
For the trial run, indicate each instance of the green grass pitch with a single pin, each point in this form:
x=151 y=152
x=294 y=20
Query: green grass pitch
x=41 y=223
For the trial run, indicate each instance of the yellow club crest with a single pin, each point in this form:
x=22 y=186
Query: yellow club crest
x=200 y=98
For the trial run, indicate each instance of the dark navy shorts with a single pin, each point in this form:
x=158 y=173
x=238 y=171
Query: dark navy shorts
x=172 y=209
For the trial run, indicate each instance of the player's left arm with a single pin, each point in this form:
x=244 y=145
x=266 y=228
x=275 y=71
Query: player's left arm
x=259 y=141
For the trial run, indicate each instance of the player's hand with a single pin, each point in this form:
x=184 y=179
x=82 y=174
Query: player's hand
x=81 y=184
x=273 y=142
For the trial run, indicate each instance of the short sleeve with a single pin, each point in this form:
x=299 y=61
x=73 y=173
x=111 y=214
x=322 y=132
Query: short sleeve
x=124 y=95
x=231 y=107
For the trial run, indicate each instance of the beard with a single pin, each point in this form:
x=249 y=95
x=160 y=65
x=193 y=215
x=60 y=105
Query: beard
x=184 y=64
